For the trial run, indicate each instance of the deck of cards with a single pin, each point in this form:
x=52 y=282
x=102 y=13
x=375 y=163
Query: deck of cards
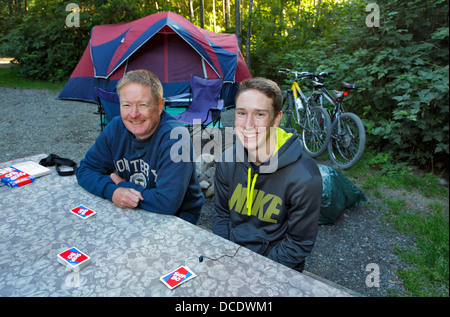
x=82 y=212
x=177 y=277
x=14 y=177
x=74 y=259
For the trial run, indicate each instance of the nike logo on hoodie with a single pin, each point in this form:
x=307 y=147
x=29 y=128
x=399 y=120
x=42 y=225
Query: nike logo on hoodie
x=264 y=206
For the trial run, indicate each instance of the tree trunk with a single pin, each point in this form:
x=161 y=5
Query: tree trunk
x=214 y=15
x=249 y=33
x=202 y=14
x=191 y=11
x=238 y=23
x=11 y=6
x=227 y=14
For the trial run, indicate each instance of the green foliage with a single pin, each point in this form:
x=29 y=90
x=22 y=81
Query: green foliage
x=45 y=48
x=428 y=276
x=388 y=166
x=401 y=68
x=380 y=169
x=427 y=256
x=10 y=78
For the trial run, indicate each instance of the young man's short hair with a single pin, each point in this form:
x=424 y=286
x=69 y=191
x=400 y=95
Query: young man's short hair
x=265 y=86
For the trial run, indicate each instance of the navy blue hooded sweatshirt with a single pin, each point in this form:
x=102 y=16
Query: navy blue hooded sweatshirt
x=272 y=209
x=149 y=166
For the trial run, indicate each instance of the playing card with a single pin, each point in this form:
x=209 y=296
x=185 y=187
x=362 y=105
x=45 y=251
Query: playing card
x=83 y=212
x=74 y=259
x=177 y=277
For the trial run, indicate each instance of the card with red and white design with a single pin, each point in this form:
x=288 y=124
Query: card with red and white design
x=177 y=277
x=83 y=212
x=74 y=259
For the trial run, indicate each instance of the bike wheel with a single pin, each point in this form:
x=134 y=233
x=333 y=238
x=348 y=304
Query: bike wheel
x=348 y=139
x=289 y=115
x=316 y=131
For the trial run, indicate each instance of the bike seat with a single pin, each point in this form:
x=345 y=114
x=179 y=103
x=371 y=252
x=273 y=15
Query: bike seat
x=316 y=84
x=349 y=86
x=338 y=94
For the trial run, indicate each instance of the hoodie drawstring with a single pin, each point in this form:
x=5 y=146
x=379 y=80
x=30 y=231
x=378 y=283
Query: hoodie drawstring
x=250 y=189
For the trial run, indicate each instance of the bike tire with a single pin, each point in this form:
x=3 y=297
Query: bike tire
x=347 y=142
x=316 y=131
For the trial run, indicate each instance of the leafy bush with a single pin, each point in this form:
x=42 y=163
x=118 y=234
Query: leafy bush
x=43 y=46
x=401 y=68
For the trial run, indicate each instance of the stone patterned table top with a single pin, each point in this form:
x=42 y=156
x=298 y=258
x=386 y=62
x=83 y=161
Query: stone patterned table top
x=130 y=250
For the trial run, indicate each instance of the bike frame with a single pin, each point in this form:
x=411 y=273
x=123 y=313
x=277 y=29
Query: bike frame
x=314 y=121
x=295 y=88
x=333 y=99
x=297 y=91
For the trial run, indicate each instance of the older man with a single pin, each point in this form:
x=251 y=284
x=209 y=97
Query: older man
x=130 y=162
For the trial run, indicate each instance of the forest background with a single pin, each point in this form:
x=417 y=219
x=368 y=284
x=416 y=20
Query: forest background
x=396 y=51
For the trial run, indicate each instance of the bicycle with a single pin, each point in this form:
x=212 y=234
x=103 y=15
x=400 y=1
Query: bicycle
x=348 y=135
x=314 y=121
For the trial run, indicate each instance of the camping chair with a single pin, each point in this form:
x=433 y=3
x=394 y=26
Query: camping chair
x=109 y=105
x=176 y=105
x=206 y=105
x=177 y=101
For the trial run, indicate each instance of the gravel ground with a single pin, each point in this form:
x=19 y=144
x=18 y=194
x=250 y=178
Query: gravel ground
x=34 y=122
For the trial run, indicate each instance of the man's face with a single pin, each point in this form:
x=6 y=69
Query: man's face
x=254 y=118
x=139 y=111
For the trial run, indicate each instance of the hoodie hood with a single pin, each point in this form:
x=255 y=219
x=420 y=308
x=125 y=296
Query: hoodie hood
x=289 y=148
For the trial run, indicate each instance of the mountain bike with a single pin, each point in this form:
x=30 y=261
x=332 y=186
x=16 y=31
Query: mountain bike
x=298 y=110
x=348 y=135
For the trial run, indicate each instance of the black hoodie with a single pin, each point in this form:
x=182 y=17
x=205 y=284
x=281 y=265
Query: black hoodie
x=285 y=204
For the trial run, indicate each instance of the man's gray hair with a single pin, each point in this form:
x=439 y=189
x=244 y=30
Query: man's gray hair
x=145 y=78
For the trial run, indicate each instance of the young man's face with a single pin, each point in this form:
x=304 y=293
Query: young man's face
x=139 y=111
x=254 y=118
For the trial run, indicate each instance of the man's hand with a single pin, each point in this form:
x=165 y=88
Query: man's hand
x=125 y=197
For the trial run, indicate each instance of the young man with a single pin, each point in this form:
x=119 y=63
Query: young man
x=131 y=162
x=268 y=197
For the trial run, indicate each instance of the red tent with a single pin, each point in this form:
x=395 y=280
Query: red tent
x=165 y=43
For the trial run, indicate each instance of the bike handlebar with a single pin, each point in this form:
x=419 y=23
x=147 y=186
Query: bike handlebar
x=315 y=77
x=296 y=73
x=319 y=77
x=324 y=74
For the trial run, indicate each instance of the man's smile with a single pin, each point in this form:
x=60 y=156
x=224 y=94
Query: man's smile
x=137 y=122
